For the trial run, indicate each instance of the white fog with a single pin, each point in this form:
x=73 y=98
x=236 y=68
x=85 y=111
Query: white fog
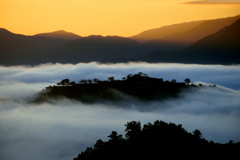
x=62 y=129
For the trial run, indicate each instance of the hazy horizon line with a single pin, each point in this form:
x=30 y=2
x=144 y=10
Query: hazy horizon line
x=192 y=2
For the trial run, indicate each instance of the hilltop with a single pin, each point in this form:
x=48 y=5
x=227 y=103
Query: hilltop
x=60 y=34
x=138 y=86
x=17 y=49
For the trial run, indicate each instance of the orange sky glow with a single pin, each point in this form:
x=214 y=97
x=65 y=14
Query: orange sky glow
x=107 y=17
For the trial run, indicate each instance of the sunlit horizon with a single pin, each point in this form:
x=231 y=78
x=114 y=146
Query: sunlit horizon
x=120 y=18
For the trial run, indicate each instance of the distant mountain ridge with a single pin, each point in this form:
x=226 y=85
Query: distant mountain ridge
x=95 y=48
x=219 y=48
x=163 y=31
x=16 y=49
x=168 y=32
x=180 y=40
x=60 y=34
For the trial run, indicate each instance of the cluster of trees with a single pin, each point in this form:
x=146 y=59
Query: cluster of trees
x=67 y=82
x=139 y=85
x=156 y=141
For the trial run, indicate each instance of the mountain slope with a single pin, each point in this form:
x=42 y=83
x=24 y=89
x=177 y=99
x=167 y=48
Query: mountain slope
x=59 y=35
x=95 y=48
x=164 y=31
x=181 y=40
x=16 y=49
x=219 y=48
x=222 y=47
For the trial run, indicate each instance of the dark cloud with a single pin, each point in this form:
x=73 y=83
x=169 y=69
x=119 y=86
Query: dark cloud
x=62 y=129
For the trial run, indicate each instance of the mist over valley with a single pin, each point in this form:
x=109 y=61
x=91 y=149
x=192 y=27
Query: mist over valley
x=62 y=128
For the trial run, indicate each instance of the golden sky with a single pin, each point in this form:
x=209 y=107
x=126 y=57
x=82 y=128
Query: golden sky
x=107 y=17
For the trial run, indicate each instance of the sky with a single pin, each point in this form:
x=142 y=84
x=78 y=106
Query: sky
x=107 y=17
x=61 y=129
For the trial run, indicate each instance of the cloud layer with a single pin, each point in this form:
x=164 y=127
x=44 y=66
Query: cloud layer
x=62 y=129
x=227 y=76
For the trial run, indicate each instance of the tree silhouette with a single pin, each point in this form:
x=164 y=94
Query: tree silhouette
x=115 y=139
x=65 y=82
x=110 y=79
x=95 y=80
x=133 y=129
x=187 y=80
x=129 y=76
x=72 y=83
x=124 y=78
x=173 y=81
x=85 y=81
x=197 y=133
x=59 y=83
x=82 y=81
x=99 y=144
x=89 y=81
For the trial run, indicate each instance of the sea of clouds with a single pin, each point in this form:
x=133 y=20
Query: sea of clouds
x=62 y=129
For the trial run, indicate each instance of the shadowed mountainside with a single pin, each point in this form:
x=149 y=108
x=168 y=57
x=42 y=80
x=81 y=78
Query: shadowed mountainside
x=16 y=49
x=95 y=48
x=59 y=46
x=61 y=34
x=222 y=47
x=182 y=39
x=219 y=48
x=157 y=140
x=161 y=32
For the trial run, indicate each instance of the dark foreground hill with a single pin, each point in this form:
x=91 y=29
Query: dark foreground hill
x=138 y=86
x=160 y=140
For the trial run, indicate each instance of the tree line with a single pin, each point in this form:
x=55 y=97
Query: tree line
x=139 y=75
x=156 y=141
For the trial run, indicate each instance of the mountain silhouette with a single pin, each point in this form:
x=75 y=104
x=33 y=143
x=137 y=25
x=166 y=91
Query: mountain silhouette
x=182 y=39
x=206 y=42
x=61 y=34
x=95 y=48
x=221 y=47
x=16 y=49
x=161 y=32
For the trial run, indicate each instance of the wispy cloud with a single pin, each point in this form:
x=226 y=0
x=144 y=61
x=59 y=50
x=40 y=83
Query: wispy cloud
x=214 y=2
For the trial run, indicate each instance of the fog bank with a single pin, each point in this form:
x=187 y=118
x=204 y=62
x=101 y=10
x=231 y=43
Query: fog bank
x=227 y=76
x=62 y=129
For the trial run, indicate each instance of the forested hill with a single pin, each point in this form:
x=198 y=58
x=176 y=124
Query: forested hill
x=138 y=86
x=157 y=141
